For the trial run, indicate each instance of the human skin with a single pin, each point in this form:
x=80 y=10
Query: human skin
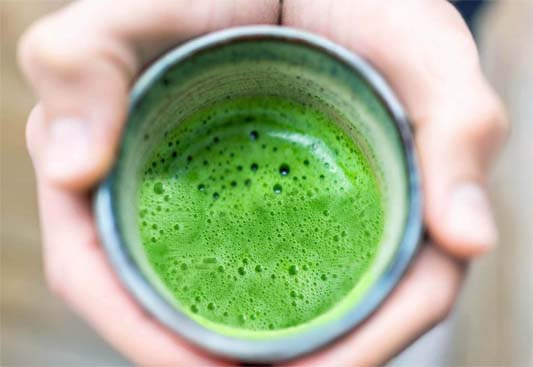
x=82 y=60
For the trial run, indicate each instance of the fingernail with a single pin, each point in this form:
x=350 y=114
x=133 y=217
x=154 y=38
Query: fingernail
x=470 y=216
x=68 y=147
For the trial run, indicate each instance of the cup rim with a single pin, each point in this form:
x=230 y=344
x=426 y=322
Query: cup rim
x=285 y=347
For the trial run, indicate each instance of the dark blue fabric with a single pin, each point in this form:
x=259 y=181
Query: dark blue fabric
x=469 y=8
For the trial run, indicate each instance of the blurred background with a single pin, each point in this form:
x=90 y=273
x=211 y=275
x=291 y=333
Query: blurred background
x=492 y=325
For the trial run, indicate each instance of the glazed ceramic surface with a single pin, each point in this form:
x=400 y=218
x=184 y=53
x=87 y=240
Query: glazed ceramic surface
x=284 y=63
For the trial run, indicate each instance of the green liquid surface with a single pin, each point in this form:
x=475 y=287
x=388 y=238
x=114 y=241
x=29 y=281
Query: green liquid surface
x=259 y=214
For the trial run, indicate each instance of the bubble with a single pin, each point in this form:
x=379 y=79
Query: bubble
x=293 y=294
x=254 y=135
x=274 y=232
x=254 y=167
x=277 y=188
x=284 y=169
x=194 y=309
x=216 y=195
x=158 y=188
x=184 y=266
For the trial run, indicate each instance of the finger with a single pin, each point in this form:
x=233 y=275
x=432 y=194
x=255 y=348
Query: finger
x=81 y=61
x=423 y=298
x=456 y=149
x=77 y=270
x=427 y=54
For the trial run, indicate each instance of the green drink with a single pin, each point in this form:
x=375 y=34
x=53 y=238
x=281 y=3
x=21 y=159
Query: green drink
x=265 y=199
x=259 y=214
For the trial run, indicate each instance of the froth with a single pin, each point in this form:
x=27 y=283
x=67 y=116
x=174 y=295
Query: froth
x=264 y=219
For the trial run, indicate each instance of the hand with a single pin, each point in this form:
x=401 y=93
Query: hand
x=427 y=54
x=81 y=61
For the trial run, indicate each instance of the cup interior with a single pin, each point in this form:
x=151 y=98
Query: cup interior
x=312 y=73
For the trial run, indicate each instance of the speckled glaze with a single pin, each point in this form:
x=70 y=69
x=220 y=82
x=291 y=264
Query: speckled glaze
x=271 y=61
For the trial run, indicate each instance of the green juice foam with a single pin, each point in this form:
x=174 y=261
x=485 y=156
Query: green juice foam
x=259 y=214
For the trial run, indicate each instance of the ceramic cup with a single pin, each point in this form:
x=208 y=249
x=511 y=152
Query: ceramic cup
x=268 y=61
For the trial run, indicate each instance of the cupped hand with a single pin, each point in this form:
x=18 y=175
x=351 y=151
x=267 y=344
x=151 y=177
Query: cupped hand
x=427 y=54
x=81 y=62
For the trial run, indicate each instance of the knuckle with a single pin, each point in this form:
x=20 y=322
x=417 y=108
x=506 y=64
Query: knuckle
x=442 y=308
x=55 y=280
x=501 y=120
x=32 y=131
x=440 y=303
x=488 y=120
x=49 y=55
x=45 y=48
